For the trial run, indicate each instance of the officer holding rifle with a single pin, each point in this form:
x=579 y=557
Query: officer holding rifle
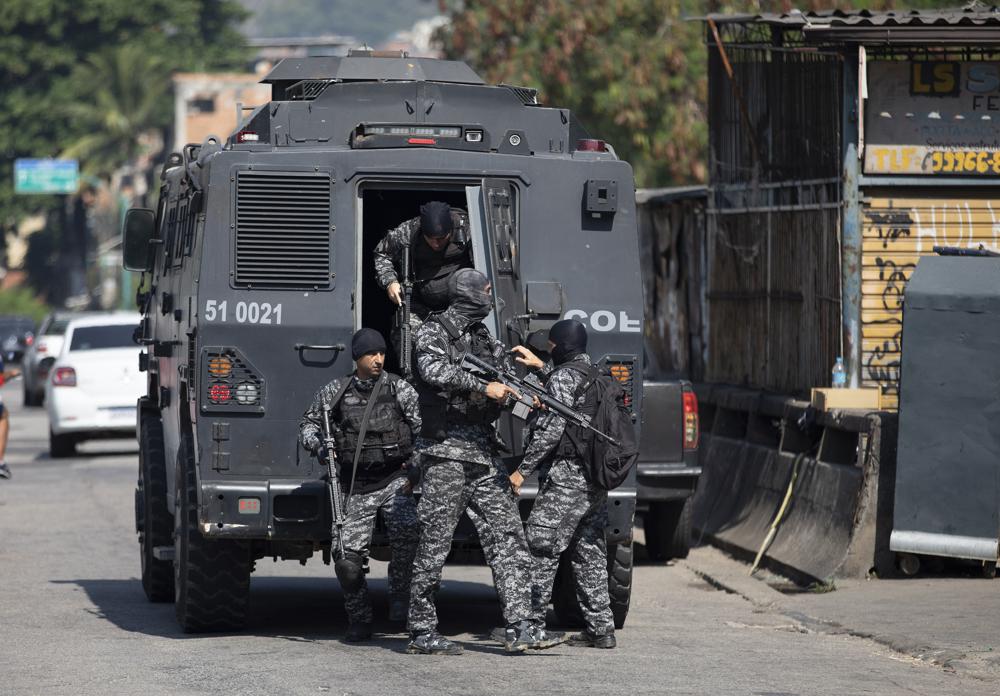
x=363 y=425
x=414 y=262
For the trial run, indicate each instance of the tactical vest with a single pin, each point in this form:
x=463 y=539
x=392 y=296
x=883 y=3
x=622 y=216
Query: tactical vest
x=388 y=438
x=438 y=409
x=431 y=269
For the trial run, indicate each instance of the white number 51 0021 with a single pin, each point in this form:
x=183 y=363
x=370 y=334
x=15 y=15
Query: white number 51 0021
x=245 y=312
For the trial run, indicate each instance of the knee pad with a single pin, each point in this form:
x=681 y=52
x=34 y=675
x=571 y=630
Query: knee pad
x=350 y=571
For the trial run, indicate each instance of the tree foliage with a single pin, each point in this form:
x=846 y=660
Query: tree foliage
x=49 y=50
x=633 y=71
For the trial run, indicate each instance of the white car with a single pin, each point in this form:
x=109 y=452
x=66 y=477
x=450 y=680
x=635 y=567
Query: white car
x=40 y=355
x=93 y=386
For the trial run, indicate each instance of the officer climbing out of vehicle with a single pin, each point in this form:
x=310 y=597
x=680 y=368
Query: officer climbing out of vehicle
x=458 y=447
x=438 y=245
x=374 y=417
x=570 y=511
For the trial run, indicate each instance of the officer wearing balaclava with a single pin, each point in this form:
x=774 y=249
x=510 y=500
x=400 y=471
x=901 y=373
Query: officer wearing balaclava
x=439 y=245
x=570 y=512
x=460 y=467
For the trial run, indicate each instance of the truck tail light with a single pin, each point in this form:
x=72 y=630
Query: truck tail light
x=690 y=419
x=64 y=377
x=622 y=370
x=231 y=382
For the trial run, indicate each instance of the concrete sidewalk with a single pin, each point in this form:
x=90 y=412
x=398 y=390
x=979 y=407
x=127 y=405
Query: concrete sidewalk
x=953 y=622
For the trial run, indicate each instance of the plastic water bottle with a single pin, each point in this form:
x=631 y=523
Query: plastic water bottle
x=839 y=374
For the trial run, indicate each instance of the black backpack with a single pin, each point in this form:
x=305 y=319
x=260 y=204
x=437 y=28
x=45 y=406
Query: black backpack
x=605 y=464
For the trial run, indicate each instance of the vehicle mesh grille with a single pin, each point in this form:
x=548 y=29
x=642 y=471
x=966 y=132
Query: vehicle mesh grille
x=282 y=229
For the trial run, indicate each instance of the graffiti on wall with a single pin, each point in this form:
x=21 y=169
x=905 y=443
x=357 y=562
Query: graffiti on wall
x=897 y=232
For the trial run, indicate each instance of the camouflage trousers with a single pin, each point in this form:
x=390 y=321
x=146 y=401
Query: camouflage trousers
x=570 y=514
x=448 y=488
x=400 y=513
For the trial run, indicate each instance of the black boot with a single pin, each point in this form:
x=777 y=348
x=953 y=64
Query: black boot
x=358 y=632
x=586 y=639
x=432 y=643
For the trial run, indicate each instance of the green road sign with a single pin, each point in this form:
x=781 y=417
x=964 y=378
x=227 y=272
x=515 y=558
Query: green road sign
x=46 y=176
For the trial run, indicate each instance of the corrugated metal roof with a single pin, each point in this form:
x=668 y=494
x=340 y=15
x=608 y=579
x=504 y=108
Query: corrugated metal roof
x=974 y=15
x=974 y=24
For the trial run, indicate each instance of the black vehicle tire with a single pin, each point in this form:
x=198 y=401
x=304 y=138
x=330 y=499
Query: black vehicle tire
x=667 y=525
x=564 y=599
x=620 y=580
x=61 y=445
x=211 y=576
x=153 y=520
x=32 y=398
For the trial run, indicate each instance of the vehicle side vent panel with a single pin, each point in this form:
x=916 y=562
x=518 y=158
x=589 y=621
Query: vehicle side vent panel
x=282 y=230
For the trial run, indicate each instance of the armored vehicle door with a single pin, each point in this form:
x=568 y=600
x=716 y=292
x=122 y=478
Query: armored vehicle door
x=494 y=232
x=493 y=223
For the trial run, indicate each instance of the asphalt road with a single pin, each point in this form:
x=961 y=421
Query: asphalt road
x=74 y=620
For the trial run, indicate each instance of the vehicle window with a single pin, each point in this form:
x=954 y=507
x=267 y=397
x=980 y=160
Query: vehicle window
x=57 y=327
x=97 y=337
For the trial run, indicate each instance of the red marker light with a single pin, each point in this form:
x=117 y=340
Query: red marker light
x=591 y=145
x=249 y=506
x=422 y=141
x=219 y=392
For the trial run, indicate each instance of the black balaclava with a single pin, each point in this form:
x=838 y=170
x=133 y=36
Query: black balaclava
x=435 y=219
x=467 y=294
x=570 y=339
x=367 y=341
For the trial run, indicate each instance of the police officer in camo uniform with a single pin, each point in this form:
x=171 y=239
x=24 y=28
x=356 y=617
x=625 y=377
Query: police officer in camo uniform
x=569 y=513
x=379 y=482
x=439 y=245
x=458 y=447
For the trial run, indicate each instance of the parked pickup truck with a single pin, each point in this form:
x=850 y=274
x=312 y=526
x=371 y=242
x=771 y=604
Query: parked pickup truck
x=668 y=467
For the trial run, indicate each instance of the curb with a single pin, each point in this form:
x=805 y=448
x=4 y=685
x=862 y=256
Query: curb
x=729 y=575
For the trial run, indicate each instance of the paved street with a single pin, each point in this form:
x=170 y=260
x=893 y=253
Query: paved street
x=74 y=620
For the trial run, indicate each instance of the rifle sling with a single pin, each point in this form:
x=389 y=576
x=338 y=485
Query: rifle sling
x=363 y=430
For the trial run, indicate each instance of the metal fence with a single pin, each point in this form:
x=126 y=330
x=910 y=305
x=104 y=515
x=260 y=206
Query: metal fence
x=773 y=256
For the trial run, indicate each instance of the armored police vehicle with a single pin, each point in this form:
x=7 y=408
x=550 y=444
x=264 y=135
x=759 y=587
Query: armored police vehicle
x=258 y=266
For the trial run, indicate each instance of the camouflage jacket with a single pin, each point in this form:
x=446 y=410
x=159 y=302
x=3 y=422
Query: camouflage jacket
x=547 y=429
x=438 y=370
x=389 y=251
x=311 y=425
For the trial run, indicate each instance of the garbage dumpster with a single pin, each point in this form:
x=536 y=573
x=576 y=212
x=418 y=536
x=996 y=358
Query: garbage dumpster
x=947 y=495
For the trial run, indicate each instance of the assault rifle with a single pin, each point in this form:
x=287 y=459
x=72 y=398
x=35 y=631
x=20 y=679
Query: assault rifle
x=529 y=389
x=403 y=316
x=336 y=501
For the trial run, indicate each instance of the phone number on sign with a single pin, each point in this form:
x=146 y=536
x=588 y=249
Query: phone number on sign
x=963 y=161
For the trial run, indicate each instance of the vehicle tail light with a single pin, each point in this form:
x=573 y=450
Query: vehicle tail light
x=246 y=136
x=219 y=393
x=29 y=340
x=64 y=377
x=231 y=382
x=42 y=348
x=622 y=371
x=690 y=420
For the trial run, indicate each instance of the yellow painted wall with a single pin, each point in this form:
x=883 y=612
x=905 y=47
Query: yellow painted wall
x=897 y=232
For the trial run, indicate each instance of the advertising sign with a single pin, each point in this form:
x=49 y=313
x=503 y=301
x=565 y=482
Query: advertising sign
x=935 y=118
